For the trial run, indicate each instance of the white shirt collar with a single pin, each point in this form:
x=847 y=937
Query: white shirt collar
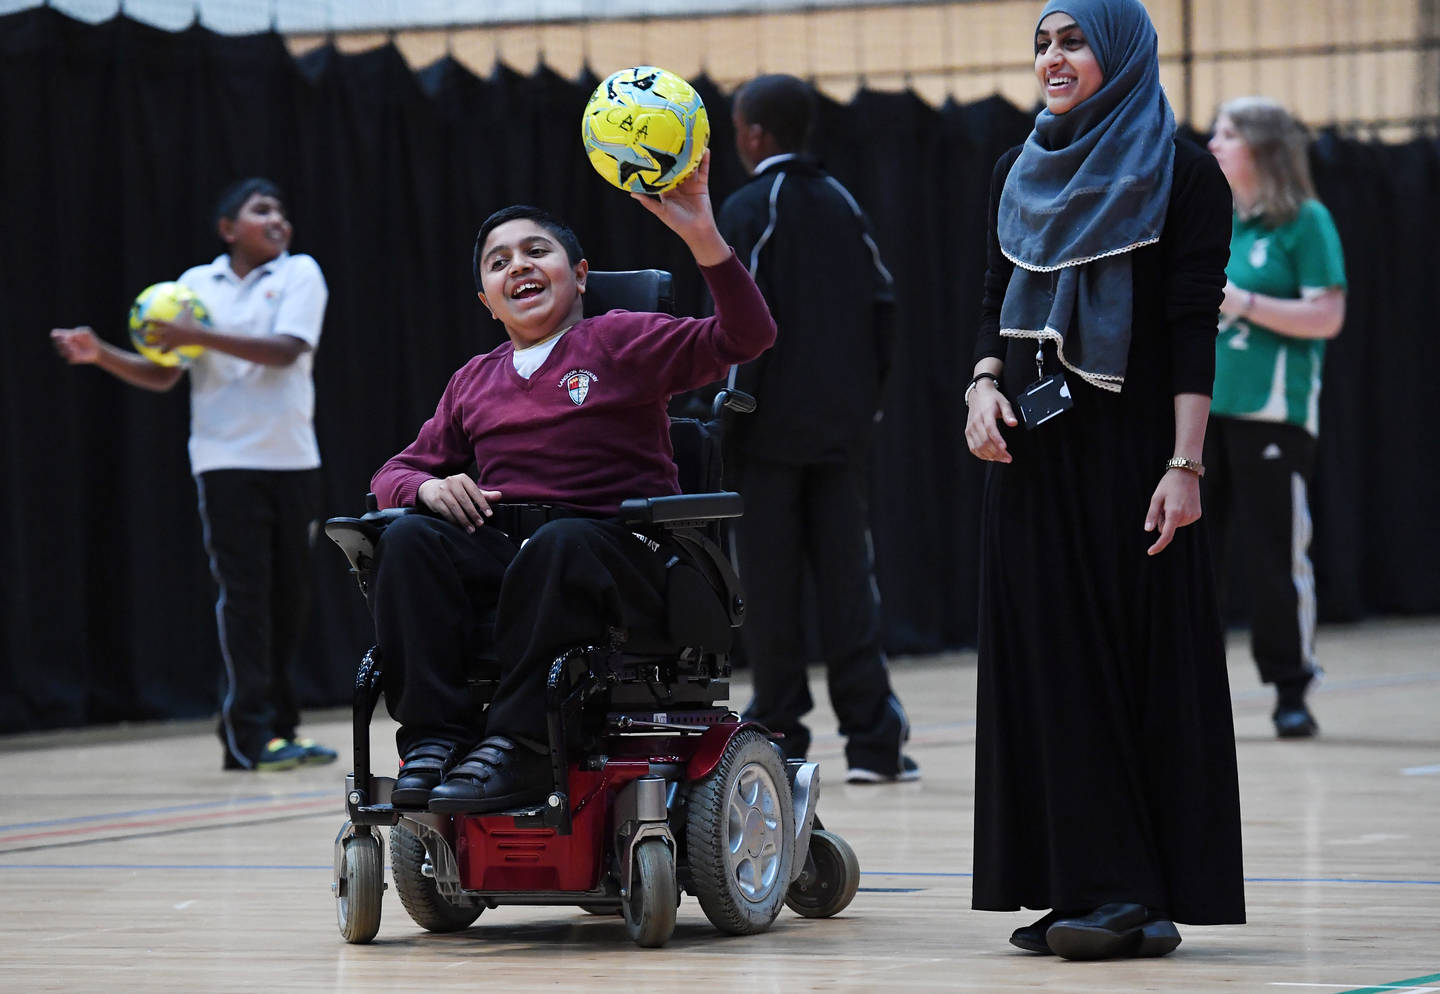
x=527 y=361
x=222 y=270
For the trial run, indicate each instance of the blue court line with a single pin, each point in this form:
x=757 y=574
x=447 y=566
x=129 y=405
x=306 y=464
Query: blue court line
x=1410 y=984
x=865 y=873
x=159 y=866
x=1248 y=880
x=1339 y=880
x=195 y=806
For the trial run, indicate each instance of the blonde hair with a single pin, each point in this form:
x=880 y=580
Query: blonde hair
x=1279 y=146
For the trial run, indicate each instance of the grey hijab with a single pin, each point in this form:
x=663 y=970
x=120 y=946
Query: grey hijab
x=1089 y=186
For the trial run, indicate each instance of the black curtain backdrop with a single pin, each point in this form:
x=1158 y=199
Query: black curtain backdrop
x=115 y=139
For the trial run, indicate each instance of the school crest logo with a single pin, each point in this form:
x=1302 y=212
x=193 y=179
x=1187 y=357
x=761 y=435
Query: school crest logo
x=577 y=385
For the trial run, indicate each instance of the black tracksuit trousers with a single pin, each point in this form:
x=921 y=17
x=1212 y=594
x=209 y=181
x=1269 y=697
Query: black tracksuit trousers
x=257 y=530
x=1256 y=473
x=436 y=585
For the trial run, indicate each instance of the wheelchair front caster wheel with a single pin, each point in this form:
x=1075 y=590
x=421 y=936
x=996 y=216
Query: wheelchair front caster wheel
x=829 y=881
x=359 y=882
x=650 y=907
x=418 y=892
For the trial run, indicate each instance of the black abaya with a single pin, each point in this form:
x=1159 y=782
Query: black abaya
x=1105 y=757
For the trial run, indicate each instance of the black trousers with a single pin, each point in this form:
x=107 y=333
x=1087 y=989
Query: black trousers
x=436 y=586
x=815 y=516
x=257 y=527
x=1256 y=474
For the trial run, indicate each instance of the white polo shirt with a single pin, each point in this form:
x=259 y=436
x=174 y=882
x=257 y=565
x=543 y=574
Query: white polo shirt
x=244 y=415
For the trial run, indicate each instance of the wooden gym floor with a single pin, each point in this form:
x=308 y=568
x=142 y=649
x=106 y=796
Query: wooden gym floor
x=129 y=861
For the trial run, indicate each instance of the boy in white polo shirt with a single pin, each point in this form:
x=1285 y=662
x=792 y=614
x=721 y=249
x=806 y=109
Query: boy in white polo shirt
x=254 y=456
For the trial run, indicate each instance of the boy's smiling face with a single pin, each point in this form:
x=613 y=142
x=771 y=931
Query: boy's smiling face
x=530 y=285
x=259 y=231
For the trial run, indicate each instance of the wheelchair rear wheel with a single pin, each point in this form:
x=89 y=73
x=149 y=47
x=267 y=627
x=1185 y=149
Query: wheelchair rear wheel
x=359 y=882
x=740 y=836
x=422 y=899
x=829 y=881
x=650 y=907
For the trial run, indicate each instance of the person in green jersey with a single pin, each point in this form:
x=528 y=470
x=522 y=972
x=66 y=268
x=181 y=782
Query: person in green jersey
x=1284 y=298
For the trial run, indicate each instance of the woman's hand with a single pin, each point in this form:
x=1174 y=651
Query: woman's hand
x=77 y=346
x=1313 y=316
x=1236 y=301
x=987 y=408
x=1176 y=504
x=458 y=499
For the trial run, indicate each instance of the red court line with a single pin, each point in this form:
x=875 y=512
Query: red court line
x=211 y=816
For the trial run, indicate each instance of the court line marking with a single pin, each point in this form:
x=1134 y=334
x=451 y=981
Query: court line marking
x=167 y=831
x=209 y=867
x=1420 y=771
x=1339 y=880
x=1415 y=984
x=1248 y=880
x=305 y=866
x=192 y=806
x=1345 y=989
x=209 y=816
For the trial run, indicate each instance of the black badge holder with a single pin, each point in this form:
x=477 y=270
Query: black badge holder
x=1046 y=397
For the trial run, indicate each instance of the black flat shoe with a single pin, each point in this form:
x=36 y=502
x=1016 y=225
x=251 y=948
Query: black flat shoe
x=1031 y=938
x=1158 y=937
x=499 y=774
x=421 y=771
x=1110 y=930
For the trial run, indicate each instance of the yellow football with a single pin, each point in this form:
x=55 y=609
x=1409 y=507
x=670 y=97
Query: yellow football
x=645 y=129
x=164 y=302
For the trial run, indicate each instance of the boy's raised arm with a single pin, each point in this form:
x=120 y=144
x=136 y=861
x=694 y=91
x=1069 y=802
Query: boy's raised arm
x=686 y=210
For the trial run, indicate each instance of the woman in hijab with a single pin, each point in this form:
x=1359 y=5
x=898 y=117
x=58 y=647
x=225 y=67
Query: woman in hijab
x=1105 y=785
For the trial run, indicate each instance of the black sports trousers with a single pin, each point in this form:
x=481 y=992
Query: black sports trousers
x=815 y=516
x=257 y=526
x=437 y=584
x=1255 y=493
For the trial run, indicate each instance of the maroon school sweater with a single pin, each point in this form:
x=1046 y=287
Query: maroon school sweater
x=589 y=428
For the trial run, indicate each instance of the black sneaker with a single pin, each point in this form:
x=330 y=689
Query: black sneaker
x=498 y=775
x=909 y=770
x=421 y=770
x=1295 y=722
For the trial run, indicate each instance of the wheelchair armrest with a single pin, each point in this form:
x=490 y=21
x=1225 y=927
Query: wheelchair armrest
x=681 y=509
x=357 y=537
x=730 y=399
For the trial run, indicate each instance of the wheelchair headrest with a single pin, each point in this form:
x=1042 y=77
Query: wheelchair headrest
x=629 y=290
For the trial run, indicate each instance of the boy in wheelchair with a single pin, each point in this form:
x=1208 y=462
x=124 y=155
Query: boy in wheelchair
x=565 y=421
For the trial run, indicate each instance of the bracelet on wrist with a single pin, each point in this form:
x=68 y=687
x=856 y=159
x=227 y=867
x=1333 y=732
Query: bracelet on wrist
x=976 y=382
x=1189 y=465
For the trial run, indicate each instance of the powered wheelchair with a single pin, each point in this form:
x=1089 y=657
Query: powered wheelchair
x=657 y=786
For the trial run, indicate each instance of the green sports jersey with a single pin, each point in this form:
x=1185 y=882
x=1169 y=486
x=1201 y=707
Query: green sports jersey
x=1260 y=374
